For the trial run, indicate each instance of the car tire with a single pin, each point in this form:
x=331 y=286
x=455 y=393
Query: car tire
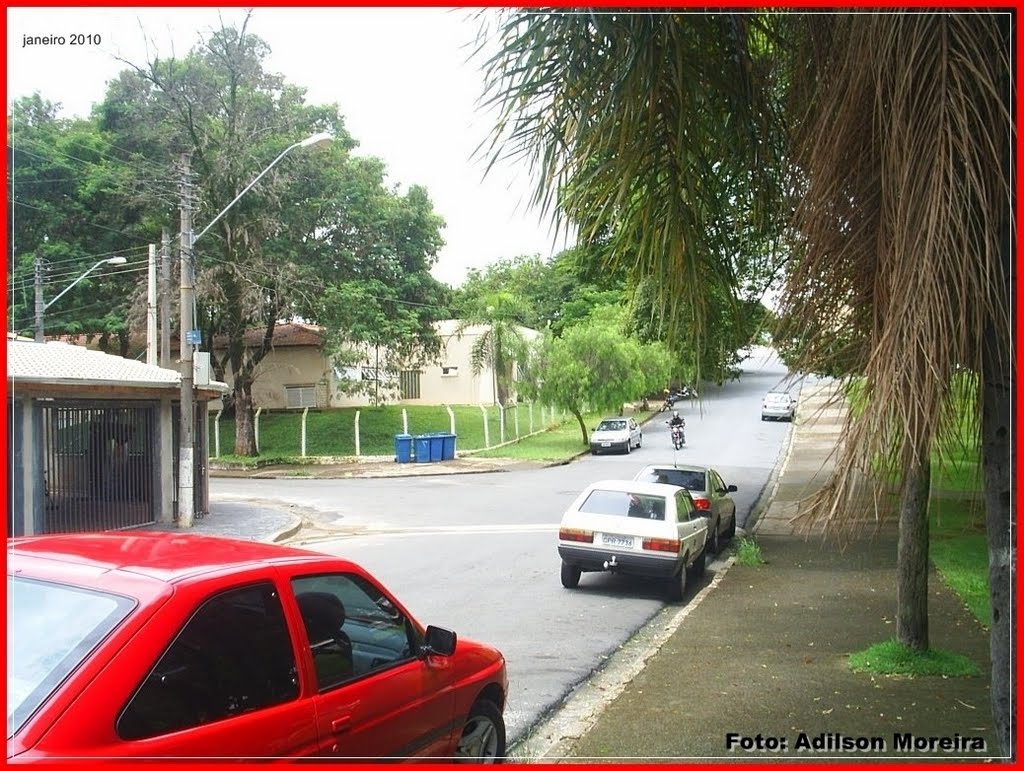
x=699 y=564
x=677 y=586
x=714 y=544
x=730 y=533
x=640 y=442
x=629 y=446
x=570 y=575
x=483 y=735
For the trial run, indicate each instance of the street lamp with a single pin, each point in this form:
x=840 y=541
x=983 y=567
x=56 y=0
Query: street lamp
x=41 y=307
x=186 y=467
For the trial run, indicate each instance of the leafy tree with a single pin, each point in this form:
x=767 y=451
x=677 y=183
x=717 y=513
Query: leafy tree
x=319 y=219
x=594 y=365
x=72 y=194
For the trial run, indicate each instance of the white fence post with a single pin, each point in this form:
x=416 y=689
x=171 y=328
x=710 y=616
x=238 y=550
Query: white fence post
x=405 y=420
x=305 y=412
x=256 y=429
x=531 y=417
x=501 y=421
x=216 y=434
x=357 y=433
x=451 y=419
x=487 y=432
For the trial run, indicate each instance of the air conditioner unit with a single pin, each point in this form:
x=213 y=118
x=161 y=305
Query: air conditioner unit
x=201 y=368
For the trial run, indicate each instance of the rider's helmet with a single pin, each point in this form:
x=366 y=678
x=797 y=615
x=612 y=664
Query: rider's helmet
x=675 y=413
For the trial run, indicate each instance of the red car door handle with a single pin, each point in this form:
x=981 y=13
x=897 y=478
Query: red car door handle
x=340 y=724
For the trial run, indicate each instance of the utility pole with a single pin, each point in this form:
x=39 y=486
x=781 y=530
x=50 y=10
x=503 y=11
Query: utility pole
x=151 y=307
x=39 y=298
x=186 y=452
x=165 y=298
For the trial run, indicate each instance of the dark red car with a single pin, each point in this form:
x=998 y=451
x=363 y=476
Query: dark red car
x=169 y=645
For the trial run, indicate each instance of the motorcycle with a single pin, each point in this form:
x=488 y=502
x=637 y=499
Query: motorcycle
x=678 y=437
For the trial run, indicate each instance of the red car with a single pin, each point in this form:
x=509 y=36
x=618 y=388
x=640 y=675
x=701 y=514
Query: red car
x=164 y=645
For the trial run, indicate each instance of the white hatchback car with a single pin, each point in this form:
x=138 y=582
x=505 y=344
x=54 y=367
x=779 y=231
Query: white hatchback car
x=635 y=528
x=778 y=405
x=616 y=434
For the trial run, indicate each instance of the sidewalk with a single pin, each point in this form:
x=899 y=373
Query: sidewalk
x=757 y=666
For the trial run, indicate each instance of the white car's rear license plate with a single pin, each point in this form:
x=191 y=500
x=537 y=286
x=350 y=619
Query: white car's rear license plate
x=608 y=539
x=606 y=444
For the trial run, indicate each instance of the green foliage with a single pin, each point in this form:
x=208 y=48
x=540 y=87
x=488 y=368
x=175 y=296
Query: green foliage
x=958 y=547
x=748 y=552
x=894 y=658
x=74 y=200
x=676 y=186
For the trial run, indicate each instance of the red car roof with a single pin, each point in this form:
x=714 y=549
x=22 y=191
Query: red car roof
x=161 y=556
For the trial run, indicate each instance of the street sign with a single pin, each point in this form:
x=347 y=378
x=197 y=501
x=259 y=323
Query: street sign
x=194 y=337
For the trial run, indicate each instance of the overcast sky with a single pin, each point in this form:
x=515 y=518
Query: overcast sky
x=400 y=77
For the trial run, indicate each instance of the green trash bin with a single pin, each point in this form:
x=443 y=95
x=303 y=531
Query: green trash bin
x=421 y=446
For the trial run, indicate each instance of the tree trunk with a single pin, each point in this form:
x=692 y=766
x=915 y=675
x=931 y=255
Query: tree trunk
x=912 y=556
x=245 y=425
x=583 y=426
x=997 y=464
x=997 y=459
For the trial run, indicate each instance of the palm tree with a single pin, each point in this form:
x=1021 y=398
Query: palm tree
x=888 y=133
x=501 y=347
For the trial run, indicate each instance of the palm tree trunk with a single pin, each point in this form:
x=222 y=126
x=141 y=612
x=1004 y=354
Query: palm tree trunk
x=997 y=459
x=912 y=556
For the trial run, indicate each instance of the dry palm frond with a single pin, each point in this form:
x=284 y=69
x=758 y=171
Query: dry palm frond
x=902 y=150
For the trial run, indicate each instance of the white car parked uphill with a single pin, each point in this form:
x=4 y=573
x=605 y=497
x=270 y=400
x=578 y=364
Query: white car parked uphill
x=635 y=528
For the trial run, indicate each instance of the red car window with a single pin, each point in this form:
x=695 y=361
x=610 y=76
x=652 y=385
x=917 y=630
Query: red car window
x=353 y=628
x=233 y=656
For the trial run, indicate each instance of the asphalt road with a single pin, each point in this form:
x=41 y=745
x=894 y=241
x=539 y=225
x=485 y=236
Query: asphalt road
x=476 y=552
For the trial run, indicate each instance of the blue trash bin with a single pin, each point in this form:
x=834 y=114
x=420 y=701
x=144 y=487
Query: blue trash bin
x=448 y=450
x=436 y=447
x=403 y=448
x=421 y=443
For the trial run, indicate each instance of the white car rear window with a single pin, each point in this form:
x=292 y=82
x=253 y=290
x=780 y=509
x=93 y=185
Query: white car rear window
x=622 y=504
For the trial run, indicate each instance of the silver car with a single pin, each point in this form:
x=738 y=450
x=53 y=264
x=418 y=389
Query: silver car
x=616 y=434
x=710 y=495
x=778 y=405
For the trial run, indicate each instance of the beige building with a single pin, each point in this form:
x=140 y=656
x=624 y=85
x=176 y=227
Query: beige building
x=298 y=374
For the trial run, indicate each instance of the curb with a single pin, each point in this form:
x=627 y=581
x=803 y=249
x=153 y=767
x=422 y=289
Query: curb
x=582 y=707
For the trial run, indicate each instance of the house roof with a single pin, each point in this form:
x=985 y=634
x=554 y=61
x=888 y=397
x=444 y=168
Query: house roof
x=286 y=333
x=32 y=362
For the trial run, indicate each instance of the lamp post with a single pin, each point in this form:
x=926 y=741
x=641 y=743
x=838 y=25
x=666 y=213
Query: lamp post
x=41 y=306
x=186 y=450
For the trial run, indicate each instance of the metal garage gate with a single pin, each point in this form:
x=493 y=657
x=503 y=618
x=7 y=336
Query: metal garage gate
x=99 y=466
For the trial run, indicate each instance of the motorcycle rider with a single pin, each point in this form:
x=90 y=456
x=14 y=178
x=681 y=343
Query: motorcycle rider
x=677 y=421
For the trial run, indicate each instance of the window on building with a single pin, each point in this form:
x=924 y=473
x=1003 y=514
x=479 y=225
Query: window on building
x=449 y=371
x=409 y=384
x=299 y=396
